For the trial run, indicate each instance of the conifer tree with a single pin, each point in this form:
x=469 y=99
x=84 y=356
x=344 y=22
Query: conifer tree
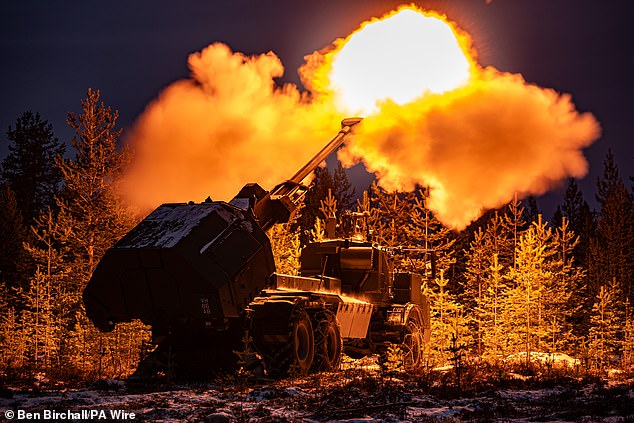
x=343 y=191
x=570 y=290
x=490 y=249
x=605 y=326
x=500 y=234
x=29 y=168
x=286 y=246
x=474 y=291
x=531 y=210
x=322 y=182
x=13 y=260
x=609 y=179
x=13 y=343
x=628 y=337
x=66 y=244
x=392 y=217
x=49 y=302
x=525 y=301
x=447 y=319
x=93 y=210
x=612 y=251
x=424 y=230
x=96 y=218
x=514 y=224
x=581 y=220
x=491 y=307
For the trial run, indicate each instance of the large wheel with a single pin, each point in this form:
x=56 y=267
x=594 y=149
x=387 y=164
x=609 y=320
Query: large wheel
x=412 y=346
x=328 y=342
x=283 y=336
x=302 y=342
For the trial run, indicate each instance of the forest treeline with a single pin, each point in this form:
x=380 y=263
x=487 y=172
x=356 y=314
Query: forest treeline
x=514 y=282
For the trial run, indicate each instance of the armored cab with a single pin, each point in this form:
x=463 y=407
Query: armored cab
x=366 y=271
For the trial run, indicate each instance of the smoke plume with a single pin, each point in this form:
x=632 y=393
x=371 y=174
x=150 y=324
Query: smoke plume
x=227 y=125
x=475 y=146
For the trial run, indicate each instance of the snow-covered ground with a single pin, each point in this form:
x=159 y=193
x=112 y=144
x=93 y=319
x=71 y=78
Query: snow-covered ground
x=357 y=394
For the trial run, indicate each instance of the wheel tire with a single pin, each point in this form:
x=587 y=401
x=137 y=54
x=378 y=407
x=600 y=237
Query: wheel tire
x=412 y=346
x=302 y=343
x=328 y=342
x=283 y=336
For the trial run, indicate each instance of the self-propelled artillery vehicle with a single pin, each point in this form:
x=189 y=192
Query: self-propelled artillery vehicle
x=202 y=275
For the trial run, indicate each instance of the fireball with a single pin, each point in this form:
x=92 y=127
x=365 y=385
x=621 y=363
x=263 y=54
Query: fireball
x=399 y=57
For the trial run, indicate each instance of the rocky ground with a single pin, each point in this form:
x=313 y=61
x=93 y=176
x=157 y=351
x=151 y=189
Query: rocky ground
x=359 y=393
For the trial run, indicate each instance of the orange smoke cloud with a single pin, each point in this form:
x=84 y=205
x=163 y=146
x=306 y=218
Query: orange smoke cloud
x=476 y=138
x=477 y=146
x=228 y=125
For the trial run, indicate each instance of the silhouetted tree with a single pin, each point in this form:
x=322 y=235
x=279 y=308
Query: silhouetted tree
x=613 y=247
x=609 y=179
x=581 y=220
x=531 y=209
x=13 y=259
x=29 y=168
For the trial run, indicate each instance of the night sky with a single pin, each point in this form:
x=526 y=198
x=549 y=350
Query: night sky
x=52 y=52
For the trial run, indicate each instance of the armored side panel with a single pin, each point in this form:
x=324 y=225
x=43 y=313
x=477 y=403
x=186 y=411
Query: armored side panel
x=184 y=266
x=408 y=288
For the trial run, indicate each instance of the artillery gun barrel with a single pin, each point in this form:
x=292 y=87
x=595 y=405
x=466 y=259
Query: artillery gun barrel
x=277 y=205
x=346 y=126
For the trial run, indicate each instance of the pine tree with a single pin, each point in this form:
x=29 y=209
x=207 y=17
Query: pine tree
x=13 y=343
x=424 y=230
x=628 y=337
x=286 y=247
x=29 y=168
x=38 y=319
x=474 y=291
x=514 y=224
x=605 y=327
x=49 y=302
x=67 y=242
x=93 y=210
x=392 y=216
x=323 y=182
x=500 y=235
x=95 y=217
x=580 y=218
x=609 y=180
x=489 y=253
x=343 y=191
x=525 y=301
x=491 y=307
x=447 y=319
x=612 y=250
x=13 y=259
x=571 y=280
x=531 y=211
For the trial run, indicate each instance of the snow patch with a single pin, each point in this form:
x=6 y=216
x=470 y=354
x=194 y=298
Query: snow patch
x=551 y=359
x=434 y=412
x=170 y=223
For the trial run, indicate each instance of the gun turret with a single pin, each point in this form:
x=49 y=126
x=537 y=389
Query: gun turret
x=277 y=205
x=189 y=266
